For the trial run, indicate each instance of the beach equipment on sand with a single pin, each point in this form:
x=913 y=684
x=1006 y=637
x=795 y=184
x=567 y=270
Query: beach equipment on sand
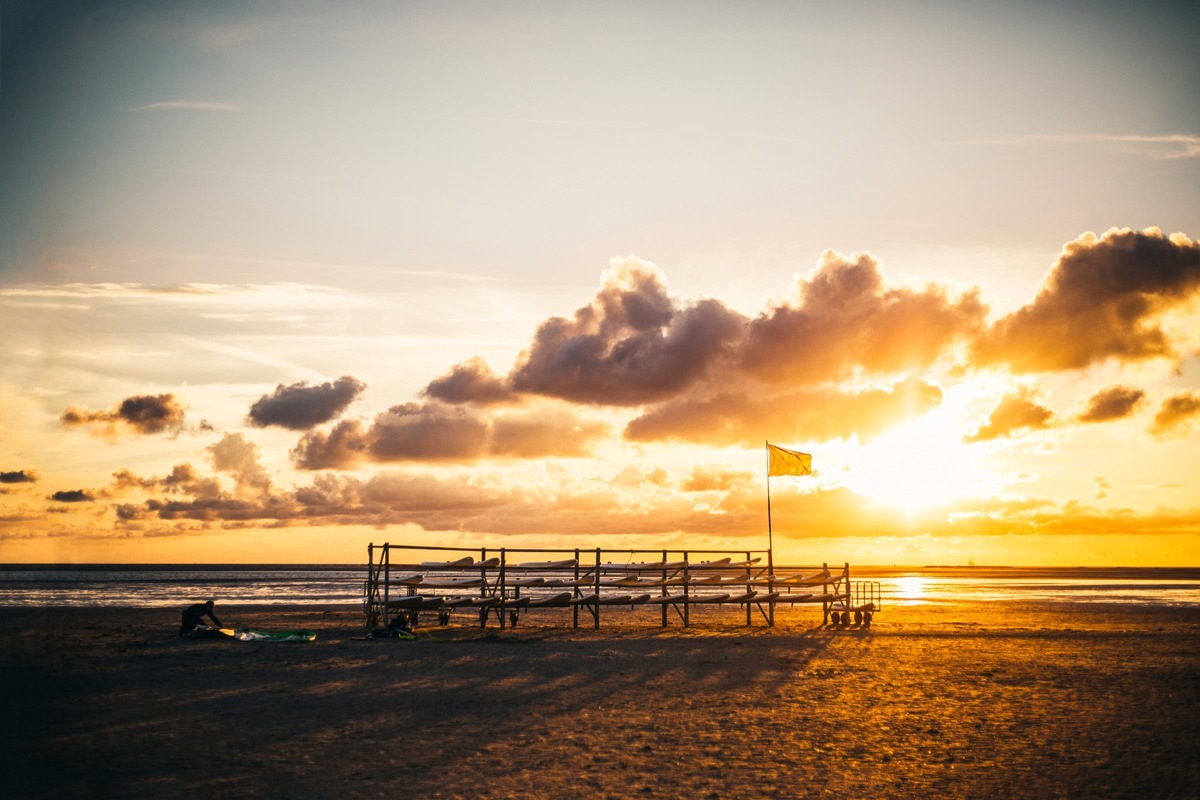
x=248 y=635
x=597 y=582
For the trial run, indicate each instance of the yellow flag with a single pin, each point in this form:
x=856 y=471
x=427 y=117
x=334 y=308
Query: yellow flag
x=788 y=462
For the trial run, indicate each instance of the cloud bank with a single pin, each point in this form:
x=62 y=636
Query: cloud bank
x=847 y=356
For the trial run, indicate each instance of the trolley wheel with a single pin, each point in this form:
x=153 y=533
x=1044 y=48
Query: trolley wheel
x=483 y=617
x=512 y=619
x=835 y=618
x=867 y=618
x=858 y=618
x=443 y=618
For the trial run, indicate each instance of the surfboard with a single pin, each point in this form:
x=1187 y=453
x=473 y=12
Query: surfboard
x=452 y=583
x=624 y=580
x=624 y=600
x=247 y=635
x=709 y=598
x=524 y=581
x=586 y=580
x=638 y=566
x=566 y=563
x=457 y=564
x=786 y=597
x=560 y=599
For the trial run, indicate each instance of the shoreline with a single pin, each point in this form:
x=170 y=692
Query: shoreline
x=998 y=700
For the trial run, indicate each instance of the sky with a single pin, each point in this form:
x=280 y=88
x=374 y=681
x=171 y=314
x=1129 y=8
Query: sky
x=282 y=279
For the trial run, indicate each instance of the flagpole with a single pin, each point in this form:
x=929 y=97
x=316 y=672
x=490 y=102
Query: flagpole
x=770 y=532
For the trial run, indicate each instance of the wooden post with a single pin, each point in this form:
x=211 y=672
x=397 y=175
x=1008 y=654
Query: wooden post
x=575 y=609
x=386 y=562
x=687 y=561
x=849 y=594
x=825 y=591
x=370 y=588
x=771 y=587
x=503 y=581
x=596 y=615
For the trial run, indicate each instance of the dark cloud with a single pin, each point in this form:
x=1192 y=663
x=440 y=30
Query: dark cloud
x=630 y=346
x=300 y=407
x=1175 y=414
x=18 y=476
x=426 y=431
x=72 y=496
x=344 y=445
x=434 y=431
x=470 y=382
x=1112 y=403
x=708 y=373
x=732 y=418
x=847 y=318
x=1014 y=413
x=1103 y=299
x=143 y=414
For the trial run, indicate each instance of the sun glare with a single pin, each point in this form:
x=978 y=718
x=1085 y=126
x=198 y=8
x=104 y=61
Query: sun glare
x=919 y=465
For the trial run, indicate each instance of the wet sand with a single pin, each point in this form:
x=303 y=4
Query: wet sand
x=995 y=700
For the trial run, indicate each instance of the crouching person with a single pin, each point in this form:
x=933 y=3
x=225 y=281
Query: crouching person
x=194 y=613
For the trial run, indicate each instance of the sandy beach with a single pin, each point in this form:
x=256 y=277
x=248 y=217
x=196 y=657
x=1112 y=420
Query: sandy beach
x=996 y=700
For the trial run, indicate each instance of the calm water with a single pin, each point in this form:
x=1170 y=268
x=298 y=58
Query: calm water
x=176 y=585
x=169 y=585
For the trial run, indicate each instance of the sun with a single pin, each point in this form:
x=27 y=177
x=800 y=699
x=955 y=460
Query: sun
x=920 y=465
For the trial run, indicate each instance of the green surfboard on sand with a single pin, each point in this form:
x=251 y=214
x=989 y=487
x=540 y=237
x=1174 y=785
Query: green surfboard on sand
x=248 y=635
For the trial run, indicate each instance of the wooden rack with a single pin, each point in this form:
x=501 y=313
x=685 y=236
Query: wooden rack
x=505 y=584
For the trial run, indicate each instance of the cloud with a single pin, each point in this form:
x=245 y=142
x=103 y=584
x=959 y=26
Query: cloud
x=301 y=407
x=72 y=496
x=1014 y=413
x=187 y=495
x=424 y=431
x=439 y=432
x=846 y=318
x=183 y=479
x=706 y=373
x=144 y=414
x=238 y=456
x=715 y=478
x=340 y=448
x=470 y=382
x=732 y=418
x=1103 y=299
x=1175 y=415
x=542 y=434
x=631 y=345
x=18 y=476
x=1112 y=403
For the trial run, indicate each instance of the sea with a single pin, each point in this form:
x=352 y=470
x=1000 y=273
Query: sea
x=175 y=585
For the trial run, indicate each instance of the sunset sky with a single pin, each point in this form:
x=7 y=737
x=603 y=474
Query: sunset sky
x=279 y=279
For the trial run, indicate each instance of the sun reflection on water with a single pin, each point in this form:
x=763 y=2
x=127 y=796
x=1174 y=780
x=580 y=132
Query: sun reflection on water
x=910 y=589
